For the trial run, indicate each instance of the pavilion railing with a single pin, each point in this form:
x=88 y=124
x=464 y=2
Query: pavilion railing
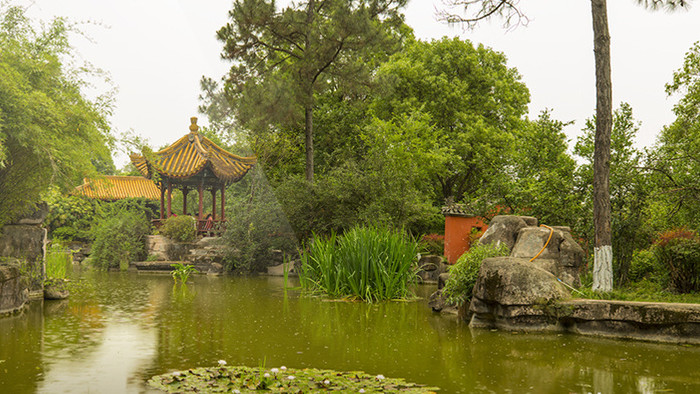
x=204 y=227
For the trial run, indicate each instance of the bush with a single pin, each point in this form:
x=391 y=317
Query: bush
x=180 y=228
x=679 y=251
x=258 y=228
x=369 y=263
x=433 y=244
x=120 y=240
x=463 y=273
x=644 y=265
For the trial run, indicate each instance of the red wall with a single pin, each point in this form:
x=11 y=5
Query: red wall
x=457 y=235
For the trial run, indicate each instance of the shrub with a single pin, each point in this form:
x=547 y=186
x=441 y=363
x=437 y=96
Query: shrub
x=120 y=240
x=180 y=228
x=258 y=226
x=644 y=265
x=463 y=273
x=433 y=244
x=679 y=251
x=369 y=263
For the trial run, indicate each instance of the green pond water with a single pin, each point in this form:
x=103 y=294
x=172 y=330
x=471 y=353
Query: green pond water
x=122 y=328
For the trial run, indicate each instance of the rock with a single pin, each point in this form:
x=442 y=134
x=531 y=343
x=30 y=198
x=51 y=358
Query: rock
x=28 y=244
x=208 y=241
x=532 y=239
x=215 y=269
x=442 y=279
x=430 y=267
x=503 y=229
x=513 y=292
x=55 y=291
x=571 y=254
x=13 y=289
x=278 y=270
x=431 y=262
x=649 y=321
x=37 y=216
x=531 y=221
x=436 y=301
x=161 y=265
x=563 y=257
x=23 y=242
x=163 y=248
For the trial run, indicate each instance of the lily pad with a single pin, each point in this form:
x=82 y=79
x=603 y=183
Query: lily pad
x=239 y=379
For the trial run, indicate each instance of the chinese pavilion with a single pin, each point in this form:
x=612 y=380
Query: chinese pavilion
x=193 y=162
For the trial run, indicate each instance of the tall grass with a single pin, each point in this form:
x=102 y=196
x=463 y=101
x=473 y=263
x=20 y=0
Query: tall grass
x=58 y=259
x=368 y=263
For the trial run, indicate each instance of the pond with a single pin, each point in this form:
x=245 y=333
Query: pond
x=121 y=328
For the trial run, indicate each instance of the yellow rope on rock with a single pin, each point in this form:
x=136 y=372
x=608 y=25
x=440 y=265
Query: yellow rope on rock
x=551 y=231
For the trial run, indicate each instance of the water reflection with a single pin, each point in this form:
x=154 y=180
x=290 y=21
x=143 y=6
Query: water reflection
x=122 y=328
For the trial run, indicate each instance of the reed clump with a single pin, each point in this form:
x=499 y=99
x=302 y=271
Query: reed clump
x=368 y=263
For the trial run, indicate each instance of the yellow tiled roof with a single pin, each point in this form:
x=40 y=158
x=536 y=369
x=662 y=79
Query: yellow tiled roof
x=118 y=187
x=192 y=153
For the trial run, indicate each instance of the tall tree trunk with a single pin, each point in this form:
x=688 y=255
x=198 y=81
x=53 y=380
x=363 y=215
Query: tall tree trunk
x=309 y=115
x=308 y=106
x=602 y=265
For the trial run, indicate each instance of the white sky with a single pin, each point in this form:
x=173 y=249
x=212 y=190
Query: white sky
x=156 y=51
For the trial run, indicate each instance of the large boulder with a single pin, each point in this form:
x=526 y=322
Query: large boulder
x=504 y=229
x=514 y=293
x=13 y=289
x=562 y=257
x=27 y=244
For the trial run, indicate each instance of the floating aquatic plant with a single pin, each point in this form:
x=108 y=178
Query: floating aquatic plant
x=223 y=378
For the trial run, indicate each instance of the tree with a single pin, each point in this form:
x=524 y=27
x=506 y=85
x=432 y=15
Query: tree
x=629 y=186
x=674 y=161
x=49 y=132
x=282 y=58
x=540 y=175
x=602 y=266
x=472 y=98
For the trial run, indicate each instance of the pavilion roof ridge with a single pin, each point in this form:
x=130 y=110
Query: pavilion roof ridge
x=190 y=154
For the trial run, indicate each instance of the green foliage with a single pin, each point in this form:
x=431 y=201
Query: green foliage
x=432 y=244
x=120 y=240
x=472 y=100
x=369 y=263
x=76 y=217
x=49 y=132
x=646 y=290
x=679 y=251
x=629 y=189
x=58 y=259
x=257 y=225
x=540 y=179
x=645 y=265
x=182 y=272
x=283 y=58
x=284 y=380
x=180 y=228
x=71 y=217
x=463 y=274
x=673 y=162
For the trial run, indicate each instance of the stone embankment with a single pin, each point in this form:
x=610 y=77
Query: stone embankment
x=22 y=250
x=520 y=293
x=206 y=255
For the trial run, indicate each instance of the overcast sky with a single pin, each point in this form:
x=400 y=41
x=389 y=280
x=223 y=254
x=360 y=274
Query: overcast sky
x=156 y=51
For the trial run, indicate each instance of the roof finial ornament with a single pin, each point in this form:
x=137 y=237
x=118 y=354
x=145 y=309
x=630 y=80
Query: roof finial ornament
x=193 y=126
